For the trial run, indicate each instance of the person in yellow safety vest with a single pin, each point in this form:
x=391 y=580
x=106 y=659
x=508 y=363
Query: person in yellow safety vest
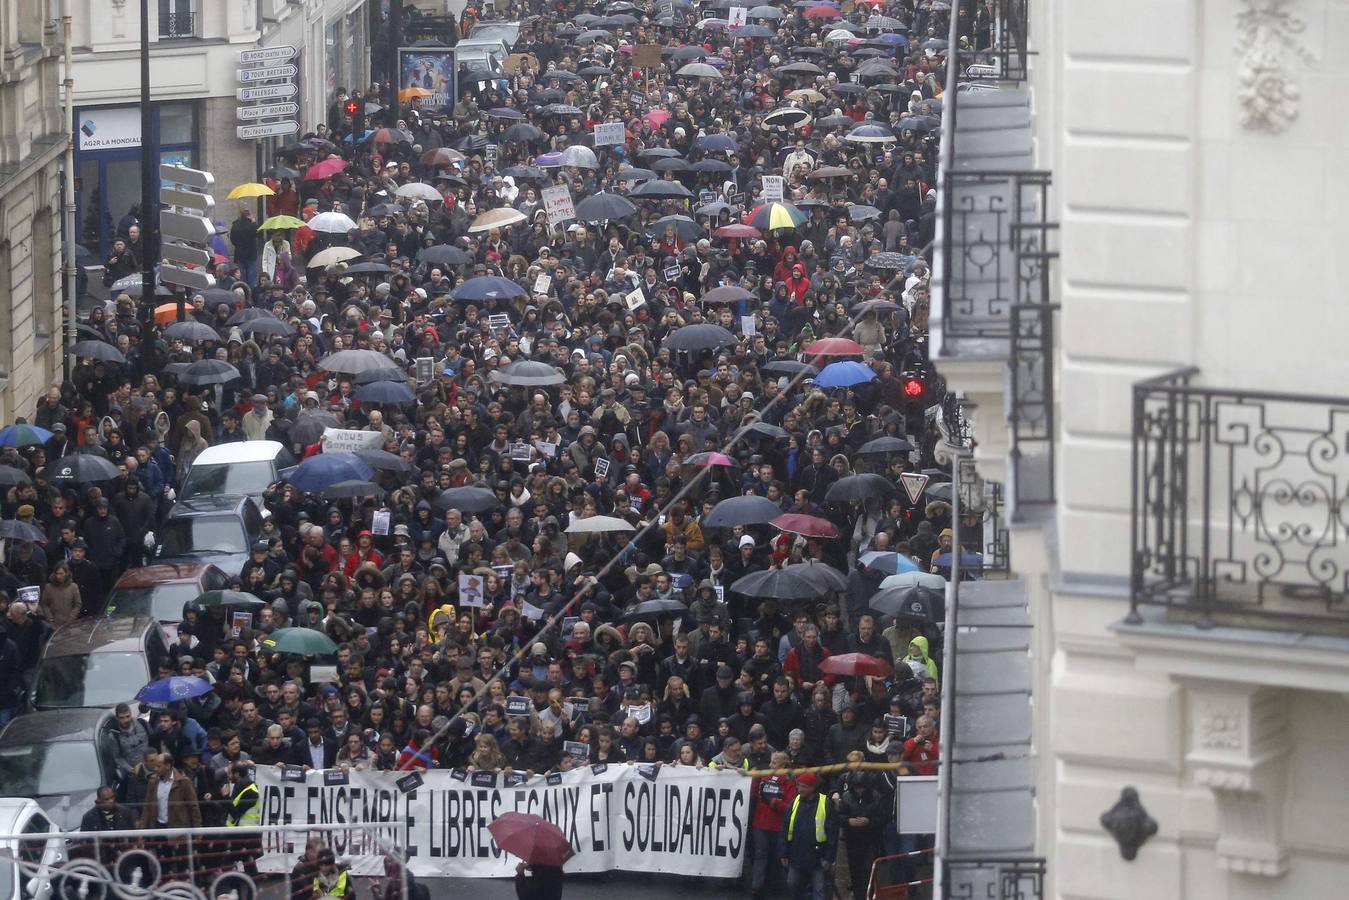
x=244 y=811
x=330 y=881
x=808 y=841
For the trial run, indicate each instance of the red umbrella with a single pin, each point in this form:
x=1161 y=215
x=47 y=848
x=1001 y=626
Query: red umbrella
x=326 y=169
x=833 y=347
x=736 y=231
x=822 y=12
x=855 y=664
x=807 y=526
x=532 y=838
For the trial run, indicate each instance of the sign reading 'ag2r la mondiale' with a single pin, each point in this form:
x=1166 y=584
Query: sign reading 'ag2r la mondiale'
x=668 y=819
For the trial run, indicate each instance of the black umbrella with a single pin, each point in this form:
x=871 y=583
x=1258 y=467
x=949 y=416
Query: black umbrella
x=766 y=430
x=191 y=330
x=522 y=132
x=747 y=510
x=248 y=314
x=528 y=373
x=702 y=336
x=20 y=531
x=662 y=190
x=81 y=468
x=855 y=488
x=527 y=172
x=310 y=425
x=655 y=609
x=367 y=268
x=914 y=603
x=349 y=489
x=267 y=325
x=468 y=499
x=444 y=255
x=395 y=392
x=825 y=576
x=209 y=371
x=10 y=476
x=778 y=583
x=885 y=444
x=670 y=164
x=99 y=350
x=386 y=461
x=603 y=207
x=788 y=367
x=392 y=373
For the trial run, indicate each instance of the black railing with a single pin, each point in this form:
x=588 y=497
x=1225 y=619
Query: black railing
x=998 y=252
x=1240 y=507
x=984 y=500
x=1030 y=402
x=1010 y=878
x=177 y=24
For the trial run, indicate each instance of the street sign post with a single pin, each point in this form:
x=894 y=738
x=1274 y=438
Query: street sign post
x=186 y=228
x=267 y=55
x=271 y=129
x=268 y=111
x=266 y=73
x=267 y=76
x=267 y=92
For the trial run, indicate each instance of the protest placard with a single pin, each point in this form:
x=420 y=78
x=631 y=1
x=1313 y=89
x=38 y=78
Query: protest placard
x=557 y=204
x=349 y=440
x=470 y=590
x=608 y=133
x=772 y=188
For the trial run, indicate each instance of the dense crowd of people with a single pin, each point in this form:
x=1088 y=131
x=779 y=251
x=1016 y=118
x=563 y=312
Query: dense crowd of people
x=680 y=335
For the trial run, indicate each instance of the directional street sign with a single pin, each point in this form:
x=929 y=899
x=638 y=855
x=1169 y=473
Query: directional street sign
x=266 y=73
x=913 y=484
x=267 y=92
x=182 y=254
x=198 y=203
x=188 y=278
x=195 y=229
x=253 y=132
x=269 y=111
x=267 y=55
x=193 y=178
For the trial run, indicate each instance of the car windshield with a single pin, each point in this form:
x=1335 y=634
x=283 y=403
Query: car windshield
x=163 y=601
x=62 y=767
x=199 y=534
x=93 y=679
x=249 y=478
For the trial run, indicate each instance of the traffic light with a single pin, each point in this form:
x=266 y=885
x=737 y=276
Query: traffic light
x=913 y=387
x=355 y=111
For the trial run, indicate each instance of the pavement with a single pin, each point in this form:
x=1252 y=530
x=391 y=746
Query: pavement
x=613 y=886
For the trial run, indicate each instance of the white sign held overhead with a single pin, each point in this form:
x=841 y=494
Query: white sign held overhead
x=772 y=188
x=270 y=129
x=557 y=203
x=607 y=133
x=268 y=111
x=913 y=483
x=267 y=92
x=737 y=16
x=266 y=73
x=267 y=55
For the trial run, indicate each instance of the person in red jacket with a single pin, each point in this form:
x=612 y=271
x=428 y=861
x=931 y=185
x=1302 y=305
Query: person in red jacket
x=803 y=662
x=772 y=796
x=798 y=284
x=921 y=750
x=365 y=552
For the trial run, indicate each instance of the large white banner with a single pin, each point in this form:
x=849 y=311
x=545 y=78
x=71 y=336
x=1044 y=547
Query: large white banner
x=653 y=818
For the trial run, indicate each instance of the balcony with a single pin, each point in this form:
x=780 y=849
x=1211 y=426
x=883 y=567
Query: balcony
x=1240 y=510
x=177 y=25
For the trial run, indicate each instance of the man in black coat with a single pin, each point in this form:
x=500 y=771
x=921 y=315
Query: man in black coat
x=106 y=540
x=136 y=512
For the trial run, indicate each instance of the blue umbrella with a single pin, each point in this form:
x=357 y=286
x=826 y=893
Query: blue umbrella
x=844 y=374
x=488 y=287
x=890 y=563
x=23 y=436
x=327 y=469
x=386 y=392
x=173 y=689
x=967 y=560
x=719 y=142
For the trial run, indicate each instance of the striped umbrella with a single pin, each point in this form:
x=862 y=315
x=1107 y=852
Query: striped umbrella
x=771 y=216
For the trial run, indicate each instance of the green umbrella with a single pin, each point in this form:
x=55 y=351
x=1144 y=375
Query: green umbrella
x=230 y=598
x=281 y=223
x=303 y=641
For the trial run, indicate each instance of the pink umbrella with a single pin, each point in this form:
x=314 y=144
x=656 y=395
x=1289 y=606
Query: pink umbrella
x=822 y=12
x=806 y=526
x=657 y=117
x=710 y=459
x=326 y=169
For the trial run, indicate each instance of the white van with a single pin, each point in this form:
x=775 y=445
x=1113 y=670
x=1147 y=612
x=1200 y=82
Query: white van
x=241 y=467
x=30 y=849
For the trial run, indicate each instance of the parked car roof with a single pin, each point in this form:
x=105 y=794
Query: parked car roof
x=74 y=724
x=99 y=634
x=239 y=451
x=162 y=573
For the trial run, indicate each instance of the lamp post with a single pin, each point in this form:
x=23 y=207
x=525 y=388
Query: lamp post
x=149 y=175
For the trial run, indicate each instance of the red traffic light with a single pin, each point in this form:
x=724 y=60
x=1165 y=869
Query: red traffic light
x=352 y=107
x=913 y=387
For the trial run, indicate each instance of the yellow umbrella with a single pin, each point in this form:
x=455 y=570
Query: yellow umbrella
x=806 y=95
x=250 y=189
x=281 y=223
x=413 y=93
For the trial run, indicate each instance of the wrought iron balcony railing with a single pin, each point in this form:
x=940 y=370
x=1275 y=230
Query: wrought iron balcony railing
x=1007 y=878
x=1240 y=510
x=178 y=25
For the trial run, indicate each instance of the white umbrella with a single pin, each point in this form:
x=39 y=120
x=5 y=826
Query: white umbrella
x=914 y=579
x=332 y=223
x=597 y=524
x=840 y=34
x=699 y=70
x=333 y=255
x=417 y=190
x=580 y=157
x=501 y=217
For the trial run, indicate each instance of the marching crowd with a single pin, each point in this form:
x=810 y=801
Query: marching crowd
x=685 y=339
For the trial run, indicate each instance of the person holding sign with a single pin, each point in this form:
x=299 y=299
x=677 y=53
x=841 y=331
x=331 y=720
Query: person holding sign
x=773 y=796
x=808 y=841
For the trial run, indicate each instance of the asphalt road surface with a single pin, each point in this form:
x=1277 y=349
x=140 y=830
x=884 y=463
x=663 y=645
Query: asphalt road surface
x=615 y=886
